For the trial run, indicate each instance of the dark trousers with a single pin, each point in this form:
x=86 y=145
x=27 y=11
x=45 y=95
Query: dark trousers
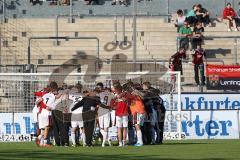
x=89 y=129
x=199 y=68
x=161 y=119
x=60 y=128
x=196 y=42
x=205 y=20
x=192 y=20
x=131 y=133
x=146 y=132
x=184 y=43
x=35 y=2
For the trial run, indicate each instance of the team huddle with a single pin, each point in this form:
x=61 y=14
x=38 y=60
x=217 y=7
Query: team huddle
x=137 y=111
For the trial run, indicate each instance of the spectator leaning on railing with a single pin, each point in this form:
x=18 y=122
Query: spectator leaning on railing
x=229 y=15
x=198 y=57
x=175 y=62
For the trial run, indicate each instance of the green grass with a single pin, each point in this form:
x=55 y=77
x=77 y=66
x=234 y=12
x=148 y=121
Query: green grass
x=170 y=150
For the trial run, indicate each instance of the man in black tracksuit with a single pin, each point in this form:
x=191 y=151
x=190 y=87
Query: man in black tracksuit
x=151 y=97
x=161 y=111
x=89 y=112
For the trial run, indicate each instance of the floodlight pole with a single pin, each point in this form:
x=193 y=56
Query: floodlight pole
x=71 y=12
x=4 y=10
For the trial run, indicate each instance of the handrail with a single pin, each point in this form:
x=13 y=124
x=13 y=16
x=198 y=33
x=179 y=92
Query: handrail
x=234 y=55
x=64 y=38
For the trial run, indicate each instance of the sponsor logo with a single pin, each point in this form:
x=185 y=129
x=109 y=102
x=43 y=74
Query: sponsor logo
x=230 y=82
x=213 y=80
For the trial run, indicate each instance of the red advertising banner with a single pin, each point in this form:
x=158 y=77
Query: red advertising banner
x=223 y=77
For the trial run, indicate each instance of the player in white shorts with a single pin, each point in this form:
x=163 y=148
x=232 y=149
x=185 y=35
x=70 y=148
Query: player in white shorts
x=76 y=119
x=47 y=103
x=104 y=114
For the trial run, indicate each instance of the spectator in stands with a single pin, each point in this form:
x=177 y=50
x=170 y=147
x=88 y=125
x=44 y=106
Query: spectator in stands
x=238 y=15
x=197 y=35
x=175 y=62
x=34 y=2
x=202 y=15
x=191 y=15
x=65 y=2
x=229 y=15
x=91 y=2
x=53 y=2
x=121 y=2
x=238 y=12
x=198 y=57
x=185 y=33
x=179 y=20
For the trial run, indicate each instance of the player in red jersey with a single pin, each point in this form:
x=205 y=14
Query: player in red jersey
x=36 y=111
x=120 y=104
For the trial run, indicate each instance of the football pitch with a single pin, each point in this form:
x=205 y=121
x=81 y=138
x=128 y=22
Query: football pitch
x=170 y=150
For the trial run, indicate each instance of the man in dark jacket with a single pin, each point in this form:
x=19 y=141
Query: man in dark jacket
x=175 y=62
x=156 y=111
x=198 y=58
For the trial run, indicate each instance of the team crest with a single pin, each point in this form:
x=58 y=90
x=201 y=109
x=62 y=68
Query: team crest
x=213 y=80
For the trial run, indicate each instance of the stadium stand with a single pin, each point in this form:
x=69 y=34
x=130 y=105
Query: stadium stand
x=156 y=36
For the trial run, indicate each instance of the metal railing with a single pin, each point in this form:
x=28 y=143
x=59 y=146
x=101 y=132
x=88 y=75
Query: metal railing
x=206 y=38
x=64 y=38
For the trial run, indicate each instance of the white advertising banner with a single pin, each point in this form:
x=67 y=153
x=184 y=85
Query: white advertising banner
x=210 y=124
x=204 y=101
x=19 y=128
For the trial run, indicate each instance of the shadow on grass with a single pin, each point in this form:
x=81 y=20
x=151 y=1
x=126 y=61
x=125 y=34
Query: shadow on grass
x=187 y=143
x=47 y=155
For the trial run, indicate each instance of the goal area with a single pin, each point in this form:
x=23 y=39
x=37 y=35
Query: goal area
x=16 y=91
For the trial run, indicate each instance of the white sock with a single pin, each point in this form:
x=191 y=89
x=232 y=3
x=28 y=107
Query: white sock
x=103 y=133
x=139 y=137
x=45 y=141
x=83 y=138
x=73 y=137
x=105 y=136
x=40 y=137
x=120 y=143
x=123 y=142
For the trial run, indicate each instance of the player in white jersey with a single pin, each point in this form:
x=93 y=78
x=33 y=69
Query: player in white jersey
x=35 y=113
x=47 y=104
x=104 y=114
x=76 y=118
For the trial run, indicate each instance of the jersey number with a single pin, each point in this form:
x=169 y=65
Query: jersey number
x=47 y=100
x=105 y=100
